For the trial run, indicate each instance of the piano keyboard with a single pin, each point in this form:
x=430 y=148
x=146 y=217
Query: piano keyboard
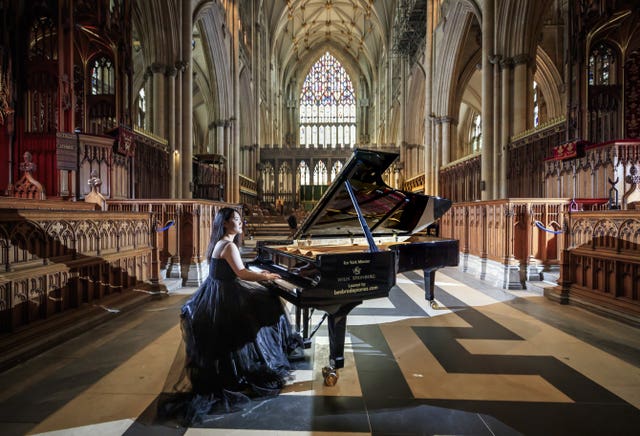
x=290 y=287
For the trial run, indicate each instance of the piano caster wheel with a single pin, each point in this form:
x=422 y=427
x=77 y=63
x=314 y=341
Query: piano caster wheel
x=330 y=375
x=434 y=305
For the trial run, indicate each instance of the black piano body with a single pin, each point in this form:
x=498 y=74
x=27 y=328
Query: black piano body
x=353 y=243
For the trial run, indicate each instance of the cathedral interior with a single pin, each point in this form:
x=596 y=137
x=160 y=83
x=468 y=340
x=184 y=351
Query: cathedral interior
x=125 y=125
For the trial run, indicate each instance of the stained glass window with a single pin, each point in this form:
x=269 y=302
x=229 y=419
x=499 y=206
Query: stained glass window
x=320 y=174
x=142 y=109
x=284 y=179
x=303 y=171
x=335 y=169
x=268 y=177
x=102 y=77
x=600 y=68
x=327 y=106
x=476 y=133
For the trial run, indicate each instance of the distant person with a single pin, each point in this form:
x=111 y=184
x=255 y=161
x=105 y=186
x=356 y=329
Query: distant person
x=293 y=224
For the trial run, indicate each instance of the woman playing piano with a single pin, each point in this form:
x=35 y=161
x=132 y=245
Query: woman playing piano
x=237 y=336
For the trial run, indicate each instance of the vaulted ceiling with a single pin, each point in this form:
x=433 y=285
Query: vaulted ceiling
x=358 y=31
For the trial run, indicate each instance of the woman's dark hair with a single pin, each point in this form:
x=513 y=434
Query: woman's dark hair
x=223 y=215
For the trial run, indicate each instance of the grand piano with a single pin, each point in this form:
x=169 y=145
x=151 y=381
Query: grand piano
x=351 y=246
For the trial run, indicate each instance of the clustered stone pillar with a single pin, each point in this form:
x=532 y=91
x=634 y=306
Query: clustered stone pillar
x=187 y=101
x=495 y=115
x=158 y=87
x=448 y=138
x=211 y=138
x=430 y=170
x=505 y=65
x=171 y=123
x=486 y=169
x=437 y=144
x=521 y=92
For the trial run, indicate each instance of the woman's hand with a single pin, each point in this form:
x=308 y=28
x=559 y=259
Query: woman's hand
x=269 y=275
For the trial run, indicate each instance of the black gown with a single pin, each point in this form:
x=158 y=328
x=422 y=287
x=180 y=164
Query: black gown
x=237 y=338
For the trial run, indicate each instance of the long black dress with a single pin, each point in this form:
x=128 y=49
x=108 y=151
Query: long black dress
x=237 y=339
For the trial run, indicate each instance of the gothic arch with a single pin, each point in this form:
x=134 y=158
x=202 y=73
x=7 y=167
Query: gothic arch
x=205 y=93
x=246 y=117
x=414 y=112
x=549 y=80
x=454 y=31
x=518 y=26
x=304 y=66
x=158 y=29
x=213 y=35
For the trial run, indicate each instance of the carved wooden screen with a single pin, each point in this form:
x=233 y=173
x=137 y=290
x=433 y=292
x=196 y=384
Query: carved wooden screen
x=101 y=107
x=42 y=77
x=604 y=93
x=632 y=95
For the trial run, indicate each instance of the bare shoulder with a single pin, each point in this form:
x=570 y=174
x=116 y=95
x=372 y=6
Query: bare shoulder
x=223 y=247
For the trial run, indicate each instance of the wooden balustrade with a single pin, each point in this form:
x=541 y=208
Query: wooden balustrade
x=506 y=241
x=185 y=229
x=600 y=259
x=513 y=241
x=56 y=260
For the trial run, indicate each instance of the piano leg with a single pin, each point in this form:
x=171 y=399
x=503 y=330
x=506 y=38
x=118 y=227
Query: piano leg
x=429 y=286
x=306 y=320
x=337 y=330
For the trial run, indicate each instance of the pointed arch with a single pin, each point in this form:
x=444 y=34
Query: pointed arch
x=550 y=82
x=327 y=104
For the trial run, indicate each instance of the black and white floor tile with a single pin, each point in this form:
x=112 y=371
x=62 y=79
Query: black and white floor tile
x=486 y=362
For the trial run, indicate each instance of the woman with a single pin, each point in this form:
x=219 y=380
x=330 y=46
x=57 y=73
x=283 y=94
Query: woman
x=236 y=333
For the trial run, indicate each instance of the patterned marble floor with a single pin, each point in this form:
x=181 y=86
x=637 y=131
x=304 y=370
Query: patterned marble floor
x=489 y=362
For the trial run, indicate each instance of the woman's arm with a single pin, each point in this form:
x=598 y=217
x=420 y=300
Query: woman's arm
x=232 y=255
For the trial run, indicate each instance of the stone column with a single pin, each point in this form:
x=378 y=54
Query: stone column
x=220 y=137
x=227 y=138
x=437 y=141
x=159 y=104
x=179 y=156
x=429 y=169
x=497 y=125
x=170 y=74
x=187 y=101
x=445 y=132
x=505 y=133
x=429 y=161
x=211 y=138
x=521 y=93
x=233 y=191
x=401 y=139
x=486 y=170
x=147 y=85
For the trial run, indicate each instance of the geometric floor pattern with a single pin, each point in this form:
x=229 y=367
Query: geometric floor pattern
x=486 y=362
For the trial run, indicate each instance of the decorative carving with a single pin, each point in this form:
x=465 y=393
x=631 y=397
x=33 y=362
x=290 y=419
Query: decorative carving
x=631 y=198
x=95 y=196
x=5 y=92
x=632 y=95
x=27 y=186
x=569 y=150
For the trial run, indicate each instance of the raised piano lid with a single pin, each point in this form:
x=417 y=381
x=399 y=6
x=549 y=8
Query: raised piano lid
x=387 y=211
